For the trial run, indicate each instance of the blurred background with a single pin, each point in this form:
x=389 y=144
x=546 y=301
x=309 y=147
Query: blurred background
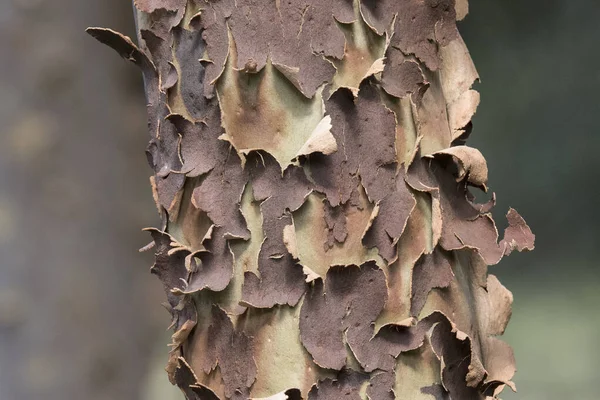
x=80 y=315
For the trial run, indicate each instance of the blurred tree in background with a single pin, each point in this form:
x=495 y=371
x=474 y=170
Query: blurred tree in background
x=78 y=307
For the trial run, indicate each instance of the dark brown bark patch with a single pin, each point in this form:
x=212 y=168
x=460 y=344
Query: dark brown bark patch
x=381 y=386
x=402 y=76
x=281 y=281
x=188 y=382
x=346 y=386
x=389 y=224
x=189 y=49
x=296 y=36
x=201 y=150
x=430 y=271
x=456 y=357
x=335 y=218
x=219 y=194
x=423 y=25
x=163 y=149
x=162 y=56
x=462 y=224
x=365 y=133
x=214 y=268
x=232 y=351
x=379 y=13
x=346 y=305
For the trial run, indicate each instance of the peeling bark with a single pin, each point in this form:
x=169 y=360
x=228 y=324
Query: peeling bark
x=319 y=237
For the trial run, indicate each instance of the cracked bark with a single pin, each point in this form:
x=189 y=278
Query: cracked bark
x=319 y=237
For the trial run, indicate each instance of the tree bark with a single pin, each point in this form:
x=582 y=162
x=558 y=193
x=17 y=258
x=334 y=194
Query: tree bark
x=319 y=239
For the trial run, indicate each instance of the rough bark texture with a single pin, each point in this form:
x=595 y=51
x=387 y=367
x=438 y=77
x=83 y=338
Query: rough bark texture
x=319 y=239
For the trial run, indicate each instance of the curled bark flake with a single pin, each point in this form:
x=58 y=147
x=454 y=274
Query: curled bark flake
x=496 y=356
x=499 y=361
x=455 y=353
x=518 y=235
x=163 y=151
x=167 y=193
x=462 y=224
x=381 y=386
x=462 y=9
x=278 y=192
x=191 y=227
x=470 y=163
x=125 y=47
x=169 y=267
x=129 y=51
x=320 y=140
x=497 y=307
x=431 y=116
x=161 y=21
x=378 y=14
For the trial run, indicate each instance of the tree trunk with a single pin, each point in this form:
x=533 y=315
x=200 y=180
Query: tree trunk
x=318 y=238
x=73 y=323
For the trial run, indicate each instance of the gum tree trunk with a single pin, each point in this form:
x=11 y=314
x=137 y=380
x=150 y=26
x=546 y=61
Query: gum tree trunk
x=319 y=239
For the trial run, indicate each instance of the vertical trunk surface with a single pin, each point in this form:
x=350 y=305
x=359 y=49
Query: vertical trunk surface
x=318 y=238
